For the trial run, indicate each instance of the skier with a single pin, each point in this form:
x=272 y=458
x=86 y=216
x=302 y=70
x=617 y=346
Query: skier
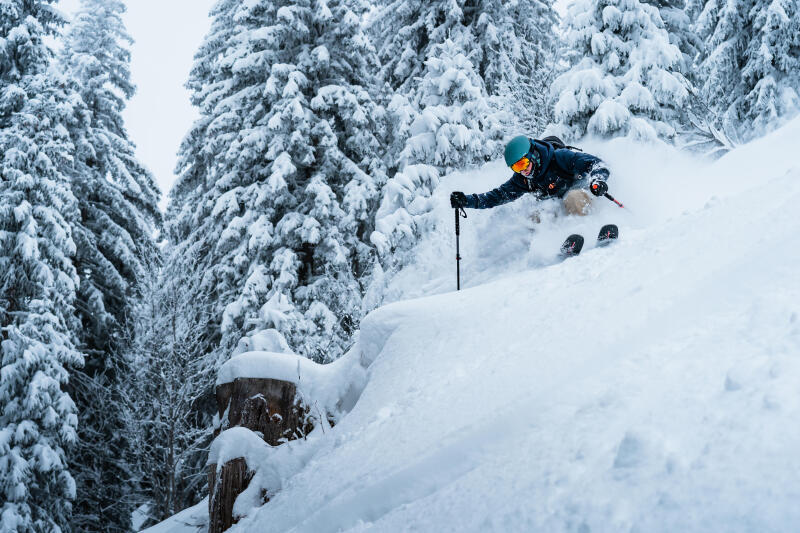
x=546 y=169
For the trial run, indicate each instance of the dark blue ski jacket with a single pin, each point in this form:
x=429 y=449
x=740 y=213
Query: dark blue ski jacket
x=561 y=170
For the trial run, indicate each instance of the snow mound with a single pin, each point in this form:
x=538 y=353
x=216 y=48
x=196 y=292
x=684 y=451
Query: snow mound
x=267 y=340
x=191 y=520
x=334 y=387
x=235 y=443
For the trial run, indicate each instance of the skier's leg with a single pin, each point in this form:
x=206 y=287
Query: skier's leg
x=577 y=202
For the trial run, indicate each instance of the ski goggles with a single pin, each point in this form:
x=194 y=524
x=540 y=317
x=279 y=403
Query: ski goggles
x=527 y=159
x=521 y=165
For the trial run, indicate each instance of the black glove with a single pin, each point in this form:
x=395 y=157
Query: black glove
x=458 y=199
x=598 y=187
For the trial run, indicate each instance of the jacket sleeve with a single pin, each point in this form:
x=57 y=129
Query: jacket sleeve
x=583 y=164
x=507 y=192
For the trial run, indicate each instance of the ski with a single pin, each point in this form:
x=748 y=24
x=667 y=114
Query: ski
x=572 y=246
x=574 y=243
x=608 y=234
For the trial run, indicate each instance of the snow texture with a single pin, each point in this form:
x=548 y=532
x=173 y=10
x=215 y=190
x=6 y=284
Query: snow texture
x=191 y=520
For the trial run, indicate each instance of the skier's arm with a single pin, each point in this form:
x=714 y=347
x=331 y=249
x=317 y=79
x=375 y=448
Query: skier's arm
x=583 y=164
x=507 y=192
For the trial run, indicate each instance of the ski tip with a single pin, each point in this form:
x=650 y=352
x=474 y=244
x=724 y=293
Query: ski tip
x=607 y=234
x=572 y=245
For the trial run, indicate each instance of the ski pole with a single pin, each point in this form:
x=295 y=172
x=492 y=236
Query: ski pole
x=458 y=250
x=613 y=199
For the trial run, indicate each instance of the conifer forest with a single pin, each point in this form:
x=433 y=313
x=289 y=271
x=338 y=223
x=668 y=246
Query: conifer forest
x=301 y=196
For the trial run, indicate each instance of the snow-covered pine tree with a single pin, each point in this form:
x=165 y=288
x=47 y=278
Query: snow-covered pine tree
x=407 y=30
x=455 y=129
x=677 y=16
x=516 y=50
x=771 y=72
x=288 y=157
x=721 y=24
x=749 y=71
x=117 y=194
x=512 y=45
x=698 y=132
x=166 y=397
x=37 y=277
x=118 y=199
x=624 y=78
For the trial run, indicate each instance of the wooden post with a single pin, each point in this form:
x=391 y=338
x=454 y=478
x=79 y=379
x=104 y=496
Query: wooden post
x=223 y=488
x=265 y=406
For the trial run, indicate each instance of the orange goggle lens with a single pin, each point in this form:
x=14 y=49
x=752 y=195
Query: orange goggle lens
x=521 y=165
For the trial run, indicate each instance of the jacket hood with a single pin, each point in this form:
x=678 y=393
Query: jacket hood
x=546 y=152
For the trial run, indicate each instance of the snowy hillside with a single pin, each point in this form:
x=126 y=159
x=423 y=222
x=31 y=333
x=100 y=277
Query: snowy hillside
x=648 y=386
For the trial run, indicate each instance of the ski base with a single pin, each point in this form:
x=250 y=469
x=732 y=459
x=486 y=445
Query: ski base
x=572 y=246
x=574 y=243
x=608 y=234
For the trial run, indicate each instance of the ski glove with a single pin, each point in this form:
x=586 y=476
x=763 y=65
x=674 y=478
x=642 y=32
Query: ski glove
x=598 y=187
x=458 y=199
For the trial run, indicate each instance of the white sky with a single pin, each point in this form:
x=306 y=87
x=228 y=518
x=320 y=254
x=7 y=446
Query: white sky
x=167 y=34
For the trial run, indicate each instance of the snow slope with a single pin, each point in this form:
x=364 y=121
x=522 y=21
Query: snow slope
x=653 y=385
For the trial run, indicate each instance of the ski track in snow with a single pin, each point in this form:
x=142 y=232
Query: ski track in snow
x=651 y=385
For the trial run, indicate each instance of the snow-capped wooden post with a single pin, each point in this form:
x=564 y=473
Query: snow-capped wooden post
x=267 y=406
x=265 y=399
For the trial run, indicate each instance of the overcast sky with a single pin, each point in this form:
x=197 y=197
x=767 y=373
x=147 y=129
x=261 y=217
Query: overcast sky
x=167 y=33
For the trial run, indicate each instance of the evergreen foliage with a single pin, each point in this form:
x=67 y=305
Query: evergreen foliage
x=38 y=281
x=117 y=199
x=508 y=43
x=624 y=76
x=117 y=194
x=169 y=393
x=751 y=63
x=517 y=51
x=771 y=72
x=677 y=16
x=280 y=176
x=455 y=129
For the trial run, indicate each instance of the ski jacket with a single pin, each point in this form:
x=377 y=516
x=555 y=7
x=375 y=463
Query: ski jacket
x=561 y=170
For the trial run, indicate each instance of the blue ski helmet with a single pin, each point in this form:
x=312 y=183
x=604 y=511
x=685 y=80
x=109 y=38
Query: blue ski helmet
x=516 y=149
